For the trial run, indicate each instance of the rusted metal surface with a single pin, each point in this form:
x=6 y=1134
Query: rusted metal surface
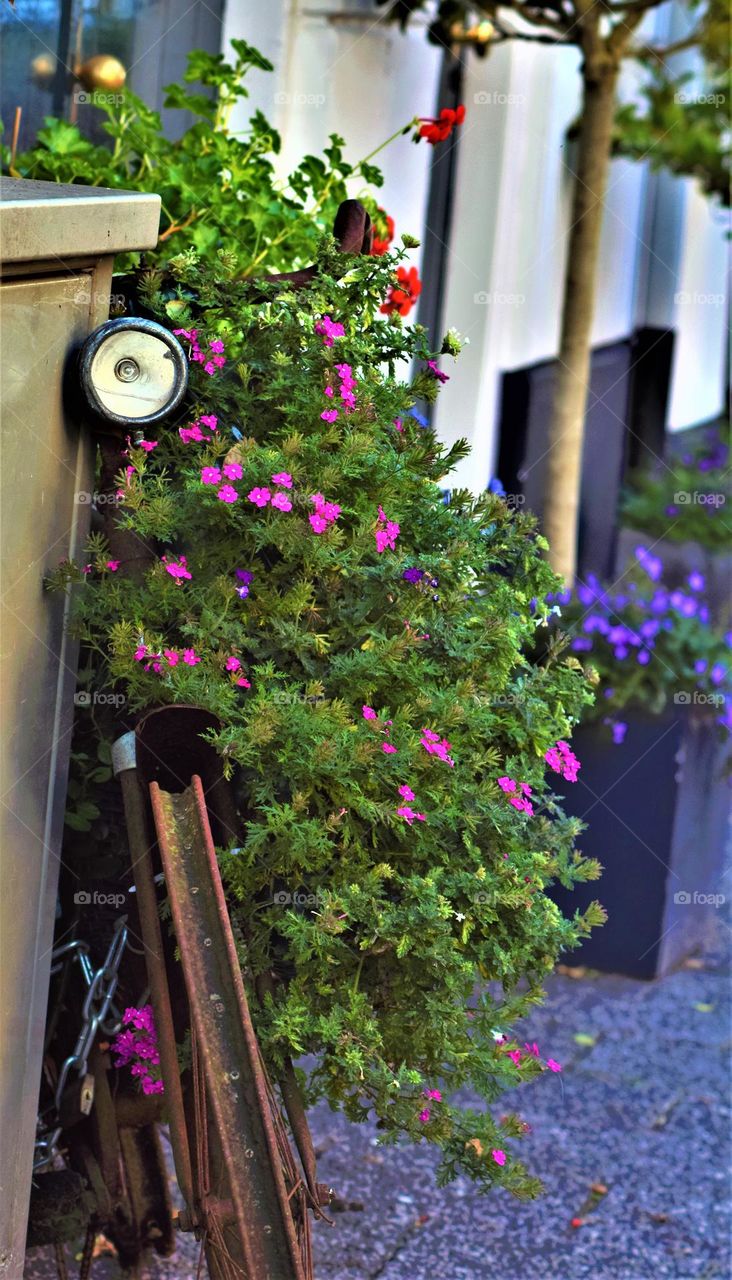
x=225 y=1043
x=141 y=846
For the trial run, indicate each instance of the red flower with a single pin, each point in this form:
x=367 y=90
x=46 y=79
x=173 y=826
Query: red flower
x=380 y=246
x=439 y=130
x=403 y=295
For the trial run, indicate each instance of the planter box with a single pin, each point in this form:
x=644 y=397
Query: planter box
x=657 y=813
x=679 y=559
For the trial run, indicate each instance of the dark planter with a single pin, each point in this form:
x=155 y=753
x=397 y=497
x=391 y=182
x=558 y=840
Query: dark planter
x=657 y=812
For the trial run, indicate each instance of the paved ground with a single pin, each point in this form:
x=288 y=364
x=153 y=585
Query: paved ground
x=644 y=1109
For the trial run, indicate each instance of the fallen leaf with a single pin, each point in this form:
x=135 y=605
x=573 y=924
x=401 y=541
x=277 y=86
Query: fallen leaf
x=476 y=1144
x=703 y=1008
x=693 y=963
x=598 y=1189
x=582 y=1037
x=658 y=1217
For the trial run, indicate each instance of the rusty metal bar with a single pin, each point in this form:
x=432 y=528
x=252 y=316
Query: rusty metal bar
x=138 y=835
x=235 y=1081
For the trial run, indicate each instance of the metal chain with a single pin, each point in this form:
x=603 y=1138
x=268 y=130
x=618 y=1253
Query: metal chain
x=101 y=986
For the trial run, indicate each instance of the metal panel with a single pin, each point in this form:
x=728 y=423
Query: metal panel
x=54 y=221
x=46 y=480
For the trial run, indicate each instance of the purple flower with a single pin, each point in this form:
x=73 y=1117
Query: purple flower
x=418 y=417
x=244 y=575
x=652 y=565
x=437 y=372
x=696 y=581
x=581 y=643
x=700 y=666
x=621 y=652
x=413 y=575
x=618 y=728
x=672 y=510
x=717 y=673
x=643 y=657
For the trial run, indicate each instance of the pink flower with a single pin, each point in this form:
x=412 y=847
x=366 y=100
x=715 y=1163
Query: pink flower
x=113 y=565
x=562 y=760
x=406 y=792
x=421 y=817
x=506 y=783
x=188 y=434
x=406 y=813
x=209 y=420
x=147 y=445
x=515 y=1055
x=210 y=475
x=325 y=512
x=386 y=537
x=260 y=497
x=437 y=372
x=499 y=1156
x=282 y=477
x=232 y=664
x=176 y=568
x=140 y=652
x=533 y=1049
x=189 y=657
x=433 y=1094
x=227 y=493
x=329 y=329
x=369 y=713
x=388 y=749
x=552 y=1065
x=243 y=682
x=216 y=346
x=232 y=471
x=435 y=746
x=171 y=656
x=329 y=415
x=424 y=1115
x=281 y=502
x=398 y=424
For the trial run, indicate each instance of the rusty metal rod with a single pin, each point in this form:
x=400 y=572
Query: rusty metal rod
x=235 y=1081
x=142 y=869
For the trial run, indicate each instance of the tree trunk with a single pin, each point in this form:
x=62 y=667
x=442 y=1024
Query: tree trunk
x=566 y=429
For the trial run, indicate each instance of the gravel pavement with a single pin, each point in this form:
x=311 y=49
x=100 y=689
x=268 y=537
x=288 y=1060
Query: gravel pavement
x=642 y=1107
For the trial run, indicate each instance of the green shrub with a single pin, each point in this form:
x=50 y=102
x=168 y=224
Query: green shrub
x=361 y=641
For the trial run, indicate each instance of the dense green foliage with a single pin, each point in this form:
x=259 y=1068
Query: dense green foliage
x=219 y=189
x=406 y=935
x=391 y=920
